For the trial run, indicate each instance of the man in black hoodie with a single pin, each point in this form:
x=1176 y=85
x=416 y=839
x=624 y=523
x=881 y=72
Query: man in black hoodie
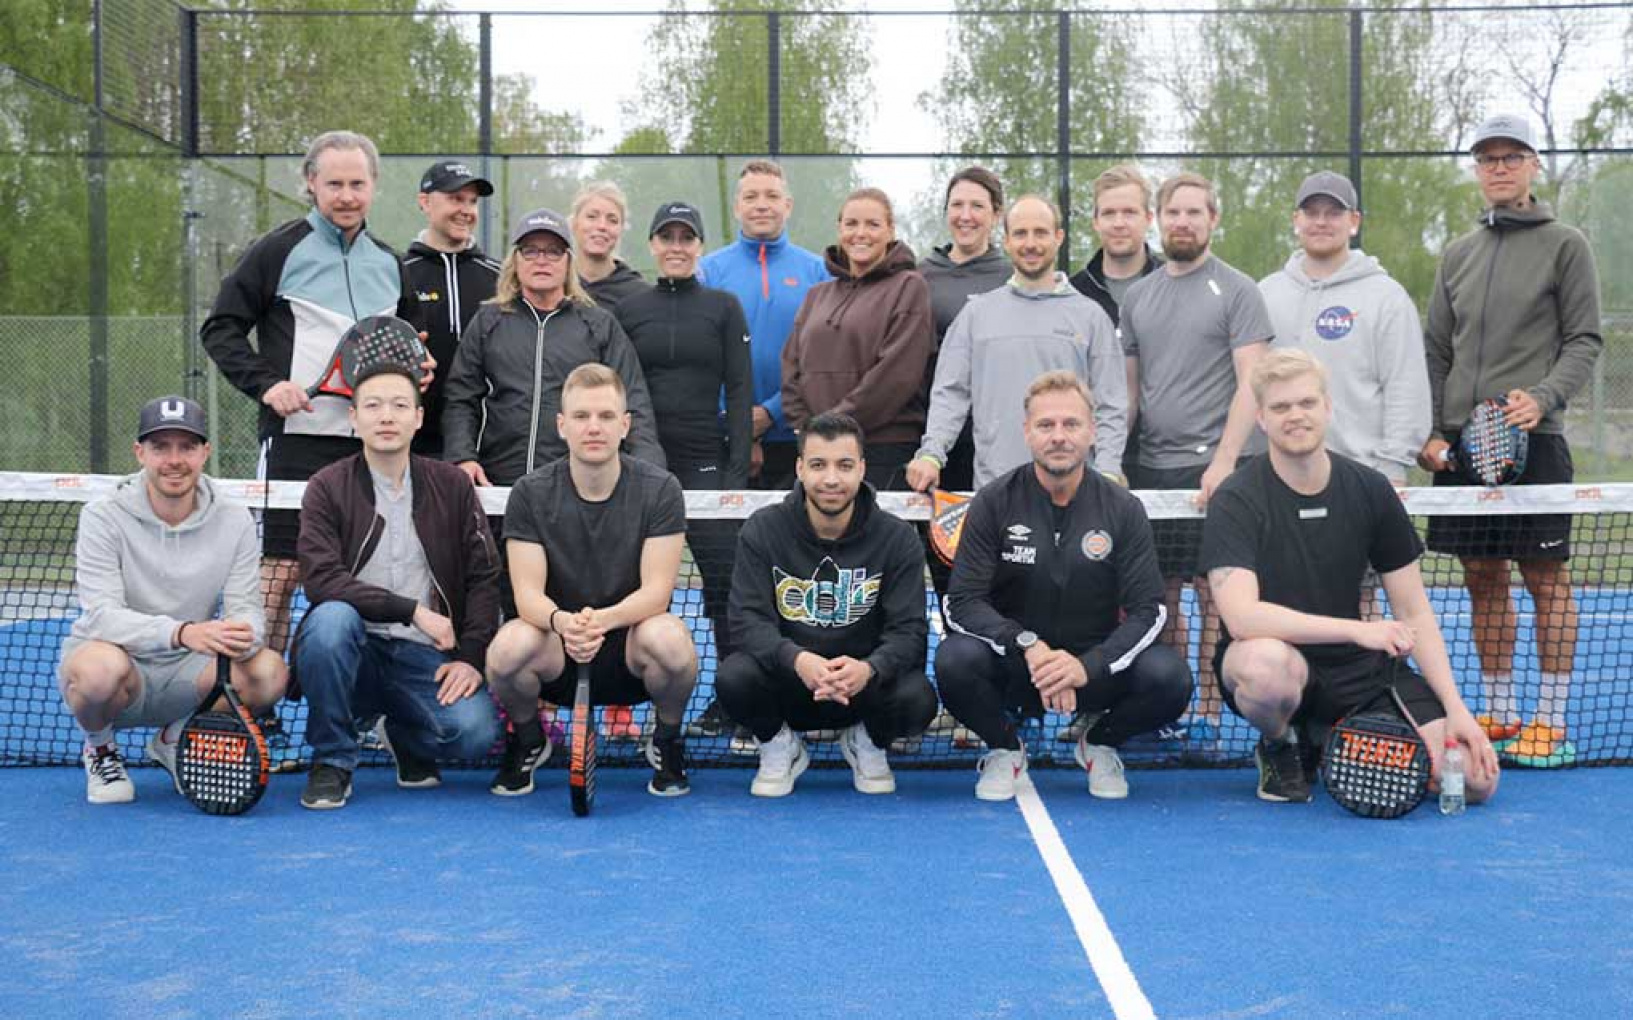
x=827 y=607
x=449 y=274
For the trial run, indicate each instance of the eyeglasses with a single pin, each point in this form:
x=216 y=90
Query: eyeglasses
x=531 y=254
x=1511 y=160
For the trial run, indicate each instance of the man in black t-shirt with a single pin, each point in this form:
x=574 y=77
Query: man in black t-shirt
x=594 y=545
x=1287 y=542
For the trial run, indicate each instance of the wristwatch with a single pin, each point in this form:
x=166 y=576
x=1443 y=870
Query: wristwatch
x=1025 y=640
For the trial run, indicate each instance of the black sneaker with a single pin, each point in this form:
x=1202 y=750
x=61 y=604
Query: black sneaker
x=1281 y=773
x=515 y=775
x=712 y=723
x=1312 y=741
x=327 y=788
x=412 y=773
x=667 y=754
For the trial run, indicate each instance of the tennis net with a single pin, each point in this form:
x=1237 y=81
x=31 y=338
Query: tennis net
x=39 y=516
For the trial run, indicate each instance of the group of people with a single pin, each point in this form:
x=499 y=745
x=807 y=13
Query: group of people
x=599 y=398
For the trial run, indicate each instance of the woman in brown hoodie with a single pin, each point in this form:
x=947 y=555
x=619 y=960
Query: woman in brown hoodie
x=861 y=341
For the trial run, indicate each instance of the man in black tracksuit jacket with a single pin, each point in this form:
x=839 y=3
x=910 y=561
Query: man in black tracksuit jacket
x=854 y=598
x=1056 y=558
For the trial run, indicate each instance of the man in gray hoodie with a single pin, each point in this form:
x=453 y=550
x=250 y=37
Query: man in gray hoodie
x=1515 y=315
x=152 y=561
x=1342 y=308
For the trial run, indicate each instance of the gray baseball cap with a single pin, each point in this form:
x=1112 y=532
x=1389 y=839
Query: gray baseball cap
x=547 y=220
x=167 y=413
x=1326 y=183
x=1504 y=125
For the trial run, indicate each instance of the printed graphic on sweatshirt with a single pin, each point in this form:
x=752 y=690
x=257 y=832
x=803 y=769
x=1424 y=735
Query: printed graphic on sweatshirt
x=832 y=596
x=1334 y=323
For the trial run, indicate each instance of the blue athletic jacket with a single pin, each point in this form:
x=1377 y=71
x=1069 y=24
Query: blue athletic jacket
x=770 y=279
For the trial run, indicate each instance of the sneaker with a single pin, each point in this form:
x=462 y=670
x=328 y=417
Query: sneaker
x=743 y=743
x=1498 y=731
x=1105 y=769
x=412 y=773
x=618 y=724
x=667 y=755
x=1539 y=746
x=870 y=766
x=1001 y=771
x=164 y=753
x=106 y=781
x=783 y=759
x=1281 y=774
x=327 y=788
x=712 y=723
x=282 y=755
x=822 y=736
x=1072 y=732
x=943 y=722
x=1312 y=742
x=515 y=775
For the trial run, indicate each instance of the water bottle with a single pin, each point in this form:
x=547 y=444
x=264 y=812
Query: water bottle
x=1452 y=800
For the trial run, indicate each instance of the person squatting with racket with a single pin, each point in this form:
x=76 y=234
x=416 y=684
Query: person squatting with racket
x=594 y=545
x=1286 y=544
x=403 y=577
x=152 y=562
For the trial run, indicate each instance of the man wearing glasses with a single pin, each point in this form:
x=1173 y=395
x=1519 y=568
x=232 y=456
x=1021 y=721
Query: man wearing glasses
x=1514 y=314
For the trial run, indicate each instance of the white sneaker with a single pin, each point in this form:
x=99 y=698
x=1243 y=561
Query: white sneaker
x=1001 y=771
x=782 y=760
x=164 y=754
x=1105 y=769
x=870 y=766
x=106 y=781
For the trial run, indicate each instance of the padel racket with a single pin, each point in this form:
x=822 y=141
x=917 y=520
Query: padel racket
x=221 y=757
x=947 y=513
x=1489 y=450
x=376 y=340
x=581 y=766
x=1375 y=764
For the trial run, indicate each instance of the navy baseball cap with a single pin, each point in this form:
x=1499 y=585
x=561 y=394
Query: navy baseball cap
x=676 y=212
x=172 y=413
x=450 y=175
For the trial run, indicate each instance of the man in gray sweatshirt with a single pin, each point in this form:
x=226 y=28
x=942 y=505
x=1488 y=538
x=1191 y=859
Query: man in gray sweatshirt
x=1006 y=338
x=152 y=561
x=1514 y=315
x=1342 y=308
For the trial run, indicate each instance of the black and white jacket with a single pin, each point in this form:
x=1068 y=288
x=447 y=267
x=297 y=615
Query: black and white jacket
x=448 y=287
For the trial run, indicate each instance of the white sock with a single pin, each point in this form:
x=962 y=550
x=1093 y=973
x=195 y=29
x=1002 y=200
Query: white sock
x=1500 y=701
x=1556 y=689
x=101 y=738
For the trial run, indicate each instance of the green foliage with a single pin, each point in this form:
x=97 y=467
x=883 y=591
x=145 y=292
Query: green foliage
x=50 y=41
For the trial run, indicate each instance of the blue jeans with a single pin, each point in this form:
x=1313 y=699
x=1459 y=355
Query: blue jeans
x=349 y=674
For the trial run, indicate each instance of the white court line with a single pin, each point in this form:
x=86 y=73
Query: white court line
x=1122 y=990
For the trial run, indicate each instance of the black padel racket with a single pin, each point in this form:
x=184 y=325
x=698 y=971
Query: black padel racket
x=1489 y=450
x=581 y=766
x=1375 y=764
x=221 y=757
x=376 y=340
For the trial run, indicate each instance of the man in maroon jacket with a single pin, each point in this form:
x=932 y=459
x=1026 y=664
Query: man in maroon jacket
x=403 y=576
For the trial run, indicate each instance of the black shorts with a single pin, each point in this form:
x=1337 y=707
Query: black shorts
x=1515 y=536
x=611 y=682
x=296 y=459
x=1334 y=691
x=1178 y=541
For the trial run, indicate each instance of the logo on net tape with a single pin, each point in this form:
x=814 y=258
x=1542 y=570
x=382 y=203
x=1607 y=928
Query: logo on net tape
x=731 y=500
x=1096 y=544
x=1334 y=323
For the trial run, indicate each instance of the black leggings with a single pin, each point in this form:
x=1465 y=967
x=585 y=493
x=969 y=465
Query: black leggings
x=978 y=685
x=764 y=702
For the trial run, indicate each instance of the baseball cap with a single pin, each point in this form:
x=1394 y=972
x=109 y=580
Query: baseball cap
x=676 y=212
x=547 y=220
x=172 y=413
x=450 y=175
x=1504 y=125
x=1331 y=185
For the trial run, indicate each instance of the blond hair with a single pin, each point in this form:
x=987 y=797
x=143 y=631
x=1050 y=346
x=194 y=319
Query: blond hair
x=1058 y=381
x=510 y=284
x=1119 y=176
x=592 y=375
x=1283 y=364
x=762 y=166
x=599 y=189
x=1188 y=179
x=349 y=141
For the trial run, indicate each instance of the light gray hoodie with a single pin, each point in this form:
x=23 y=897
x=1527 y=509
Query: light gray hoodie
x=997 y=345
x=1363 y=326
x=139 y=579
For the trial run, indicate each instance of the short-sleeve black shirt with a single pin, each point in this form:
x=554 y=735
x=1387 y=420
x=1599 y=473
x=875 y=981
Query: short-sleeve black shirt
x=593 y=550
x=1310 y=553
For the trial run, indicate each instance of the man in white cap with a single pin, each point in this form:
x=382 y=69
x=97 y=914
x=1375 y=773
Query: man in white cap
x=1514 y=314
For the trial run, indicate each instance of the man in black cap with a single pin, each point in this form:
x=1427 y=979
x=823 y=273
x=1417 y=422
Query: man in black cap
x=449 y=274
x=152 y=561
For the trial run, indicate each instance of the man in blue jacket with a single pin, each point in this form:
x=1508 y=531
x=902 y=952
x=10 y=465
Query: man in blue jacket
x=769 y=274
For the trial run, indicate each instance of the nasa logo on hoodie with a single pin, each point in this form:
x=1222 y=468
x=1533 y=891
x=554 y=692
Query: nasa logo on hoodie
x=1334 y=323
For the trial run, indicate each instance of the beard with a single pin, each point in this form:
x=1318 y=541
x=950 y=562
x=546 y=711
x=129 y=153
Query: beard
x=1184 y=251
x=1060 y=472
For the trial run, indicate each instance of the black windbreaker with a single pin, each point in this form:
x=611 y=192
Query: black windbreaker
x=448 y=287
x=861 y=595
x=693 y=341
x=1012 y=574
x=1090 y=281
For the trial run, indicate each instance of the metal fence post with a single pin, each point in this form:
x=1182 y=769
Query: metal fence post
x=484 y=123
x=773 y=34
x=1063 y=133
x=1355 y=114
x=96 y=186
